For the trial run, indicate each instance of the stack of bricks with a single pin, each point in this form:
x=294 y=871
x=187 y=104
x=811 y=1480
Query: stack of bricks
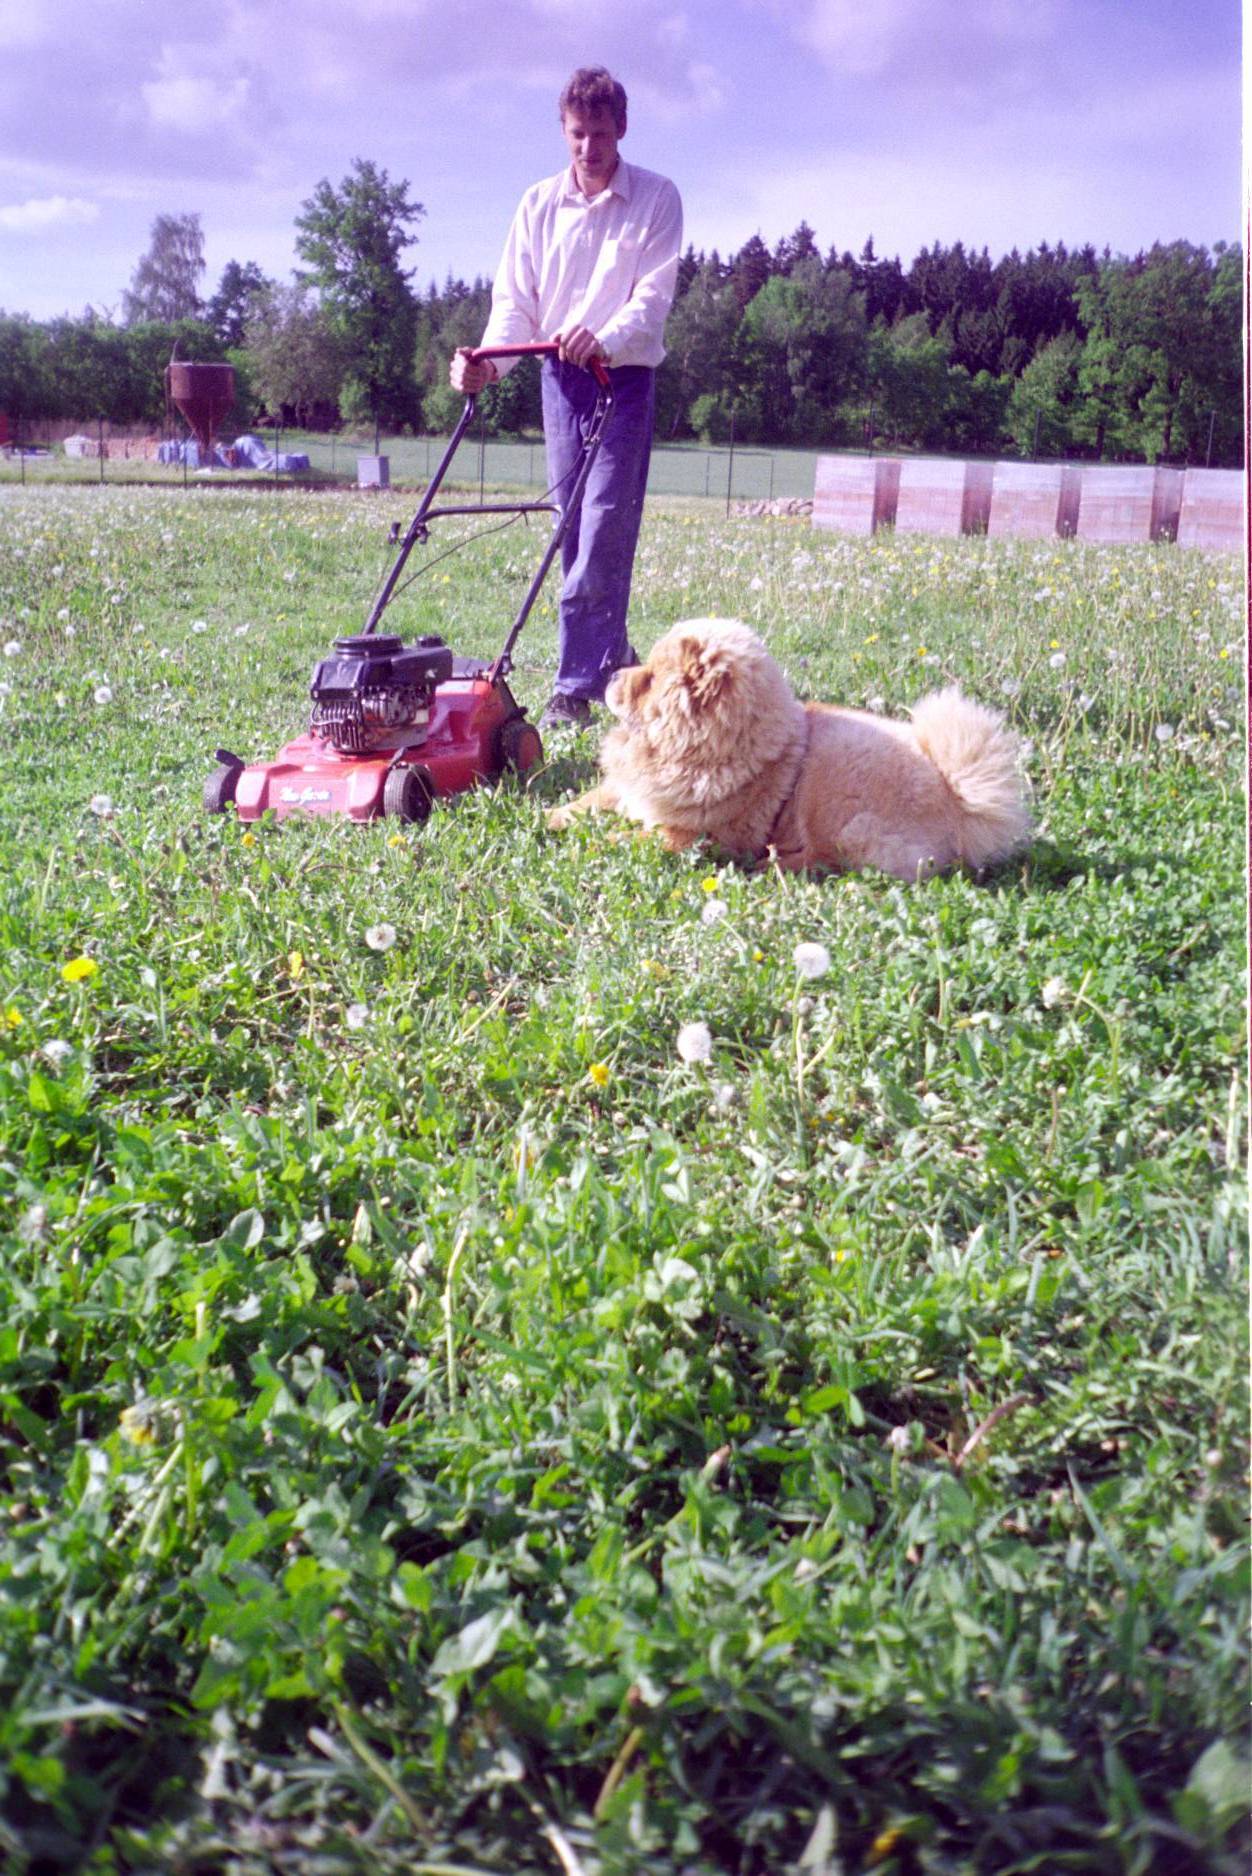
x=855 y=494
x=1212 y=513
x=1123 y=505
x=1034 y=501
x=940 y=496
x=1098 y=502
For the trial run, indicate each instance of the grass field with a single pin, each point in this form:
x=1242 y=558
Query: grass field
x=443 y=1428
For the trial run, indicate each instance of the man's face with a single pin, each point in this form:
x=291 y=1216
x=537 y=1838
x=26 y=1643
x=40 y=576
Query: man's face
x=592 y=137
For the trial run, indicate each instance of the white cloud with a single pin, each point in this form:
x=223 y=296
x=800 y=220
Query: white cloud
x=194 y=104
x=865 y=41
x=22 y=23
x=50 y=211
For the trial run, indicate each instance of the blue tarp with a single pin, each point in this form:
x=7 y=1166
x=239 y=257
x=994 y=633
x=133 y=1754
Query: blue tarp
x=248 y=452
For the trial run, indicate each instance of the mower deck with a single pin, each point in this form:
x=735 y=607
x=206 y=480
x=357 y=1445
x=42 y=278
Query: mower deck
x=476 y=732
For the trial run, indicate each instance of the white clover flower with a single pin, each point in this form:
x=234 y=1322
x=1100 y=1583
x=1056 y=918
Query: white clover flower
x=695 y=1043
x=811 y=960
x=103 y=693
x=899 y=1440
x=101 y=805
x=1085 y=700
x=1054 y=991
x=148 y=977
x=712 y=910
x=357 y=1015
x=57 y=1051
x=240 y=631
x=12 y=648
x=199 y=625
x=1164 y=732
x=380 y=937
x=725 y=1095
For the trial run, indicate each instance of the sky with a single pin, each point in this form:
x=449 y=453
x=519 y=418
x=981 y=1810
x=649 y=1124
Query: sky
x=999 y=123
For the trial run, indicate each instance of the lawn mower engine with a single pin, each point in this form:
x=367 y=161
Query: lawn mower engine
x=395 y=726
x=392 y=727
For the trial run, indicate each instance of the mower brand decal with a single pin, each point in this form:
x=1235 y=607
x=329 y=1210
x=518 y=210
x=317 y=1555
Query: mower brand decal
x=301 y=796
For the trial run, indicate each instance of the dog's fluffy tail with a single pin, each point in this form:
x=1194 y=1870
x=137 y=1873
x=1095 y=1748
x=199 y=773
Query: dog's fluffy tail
x=980 y=758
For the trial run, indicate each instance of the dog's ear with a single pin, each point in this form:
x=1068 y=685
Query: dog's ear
x=706 y=672
x=631 y=684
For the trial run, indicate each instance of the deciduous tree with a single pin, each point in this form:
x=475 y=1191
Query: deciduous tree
x=166 y=281
x=351 y=238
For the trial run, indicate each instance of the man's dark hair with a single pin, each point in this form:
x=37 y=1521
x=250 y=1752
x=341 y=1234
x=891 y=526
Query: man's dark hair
x=593 y=89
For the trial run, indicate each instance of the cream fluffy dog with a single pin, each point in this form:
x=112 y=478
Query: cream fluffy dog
x=711 y=742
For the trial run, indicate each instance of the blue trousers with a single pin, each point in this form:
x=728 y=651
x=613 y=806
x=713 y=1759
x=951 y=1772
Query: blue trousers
x=598 y=550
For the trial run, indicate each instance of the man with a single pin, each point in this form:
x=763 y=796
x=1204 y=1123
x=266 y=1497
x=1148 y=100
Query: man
x=590 y=262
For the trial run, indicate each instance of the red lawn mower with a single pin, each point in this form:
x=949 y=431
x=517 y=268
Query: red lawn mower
x=395 y=726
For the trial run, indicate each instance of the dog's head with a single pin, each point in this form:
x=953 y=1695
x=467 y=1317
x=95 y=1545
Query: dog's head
x=705 y=686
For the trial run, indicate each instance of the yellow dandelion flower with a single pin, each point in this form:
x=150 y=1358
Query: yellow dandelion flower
x=921 y=651
x=13 y=1016
x=651 y=968
x=249 y=839
x=134 y=1425
x=709 y=884
x=78 y=969
x=758 y=956
x=397 y=840
x=1224 y=652
x=884 y=1843
x=599 y=1074
x=872 y=639
x=295 y=963
x=1054 y=644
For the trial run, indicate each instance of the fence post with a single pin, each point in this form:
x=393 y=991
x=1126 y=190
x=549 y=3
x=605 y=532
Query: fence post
x=730 y=460
x=1208 y=453
x=100 y=443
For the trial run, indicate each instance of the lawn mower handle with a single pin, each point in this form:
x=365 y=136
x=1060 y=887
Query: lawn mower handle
x=593 y=433
x=545 y=348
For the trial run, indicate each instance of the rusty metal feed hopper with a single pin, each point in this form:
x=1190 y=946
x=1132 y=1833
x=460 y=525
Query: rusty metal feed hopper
x=203 y=393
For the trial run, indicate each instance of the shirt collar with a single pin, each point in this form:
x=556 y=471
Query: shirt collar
x=619 y=185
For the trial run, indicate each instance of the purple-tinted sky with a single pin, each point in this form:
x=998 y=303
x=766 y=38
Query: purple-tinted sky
x=1001 y=123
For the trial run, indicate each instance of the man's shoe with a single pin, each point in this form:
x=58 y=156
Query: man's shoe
x=564 y=712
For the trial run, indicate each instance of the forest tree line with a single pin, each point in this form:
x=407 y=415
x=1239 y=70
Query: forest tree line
x=1055 y=352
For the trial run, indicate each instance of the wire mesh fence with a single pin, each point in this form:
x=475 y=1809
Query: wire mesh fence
x=100 y=452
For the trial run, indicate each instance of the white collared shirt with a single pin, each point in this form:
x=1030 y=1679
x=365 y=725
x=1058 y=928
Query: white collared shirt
x=608 y=262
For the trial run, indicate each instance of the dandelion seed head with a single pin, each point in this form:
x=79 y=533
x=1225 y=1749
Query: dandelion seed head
x=695 y=1043
x=811 y=960
x=380 y=937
